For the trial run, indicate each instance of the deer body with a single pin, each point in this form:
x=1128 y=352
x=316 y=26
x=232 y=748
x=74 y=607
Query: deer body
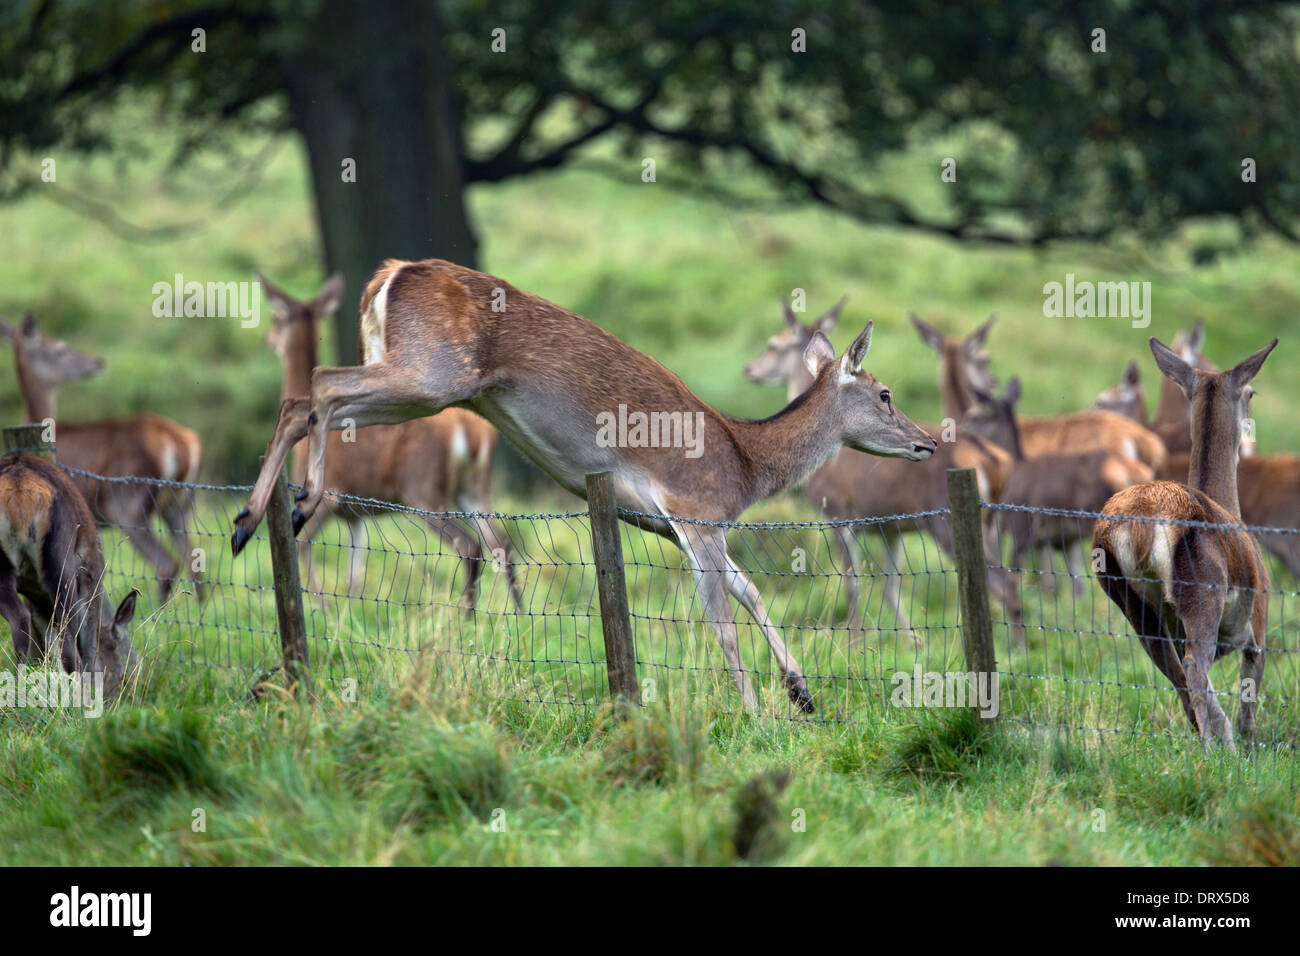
x=436 y=464
x=551 y=382
x=51 y=574
x=1194 y=594
x=142 y=446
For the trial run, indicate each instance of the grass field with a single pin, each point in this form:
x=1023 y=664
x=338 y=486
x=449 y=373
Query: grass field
x=445 y=755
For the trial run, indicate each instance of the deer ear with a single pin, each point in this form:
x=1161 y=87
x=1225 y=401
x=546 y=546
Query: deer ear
x=126 y=610
x=817 y=354
x=827 y=321
x=29 y=325
x=1011 y=394
x=857 y=352
x=1132 y=374
x=976 y=339
x=929 y=334
x=280 y=303
x=787 y=313
x=1173 y=367
x=1245 y=370
x=330 y=294
x=1196 y=341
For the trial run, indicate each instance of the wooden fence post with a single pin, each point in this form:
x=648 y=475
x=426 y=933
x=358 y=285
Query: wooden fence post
x=288 y=587
x=615 y=621
x=29 y=439
x=972 y=576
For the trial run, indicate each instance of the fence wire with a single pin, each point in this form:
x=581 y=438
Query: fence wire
x=864 y=607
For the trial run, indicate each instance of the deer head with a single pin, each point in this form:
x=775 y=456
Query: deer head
x=963 y=362
x=1127 y=397
x=994 y=417
x=47 y=361
x=290 y=316
x=1220 y=403
x=112 y=653
x=781 y=362
x=863 y=406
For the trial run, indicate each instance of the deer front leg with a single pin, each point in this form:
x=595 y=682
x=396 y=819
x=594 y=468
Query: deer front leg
x=289 y=430
x=19 y=618
x=851 y=558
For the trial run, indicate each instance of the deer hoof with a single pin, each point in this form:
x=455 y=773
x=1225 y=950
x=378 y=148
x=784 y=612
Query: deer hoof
x=299 y=519
x=799 y=694
x=301 y=495
x=238 y=538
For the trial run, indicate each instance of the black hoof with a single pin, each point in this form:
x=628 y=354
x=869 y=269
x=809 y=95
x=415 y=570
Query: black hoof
x=241 y=516
x=299 y=519
x=302 y=494
x=801 y=697
x=238 y=538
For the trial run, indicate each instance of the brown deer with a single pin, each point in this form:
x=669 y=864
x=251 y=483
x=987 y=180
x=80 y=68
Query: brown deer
x=432 y=464
x=1082 y=481
x=1194 y=594
x=52 y=575
x=963 y=364
x=576 y=400
x=853 y=485
x=963 y=369
x=142 y=446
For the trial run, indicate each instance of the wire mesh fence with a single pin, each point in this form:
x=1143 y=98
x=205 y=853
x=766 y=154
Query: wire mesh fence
x=868 y=609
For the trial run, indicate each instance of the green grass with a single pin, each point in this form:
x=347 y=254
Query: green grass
x=452 y=721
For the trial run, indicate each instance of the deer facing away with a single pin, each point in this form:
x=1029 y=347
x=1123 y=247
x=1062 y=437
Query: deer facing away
x=142 y=446
x=547 y=378
x=434 y=464
x=51 y=574
x=1194 y=594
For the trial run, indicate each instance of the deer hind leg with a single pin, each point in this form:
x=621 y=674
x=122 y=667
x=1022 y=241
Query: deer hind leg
x=706 y=549
x=497 y=544
x=289 y=430
x=176 y=509
x=1199 y=593
x=1074 y=564
x=850 y=557
x=743 y=589
x=1251 y=680
x=131 y=509
x=1150 y=629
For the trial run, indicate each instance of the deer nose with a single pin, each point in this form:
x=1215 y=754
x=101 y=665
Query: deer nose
x=927 y=447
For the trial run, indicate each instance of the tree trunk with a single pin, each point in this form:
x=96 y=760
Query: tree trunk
x=369 y=83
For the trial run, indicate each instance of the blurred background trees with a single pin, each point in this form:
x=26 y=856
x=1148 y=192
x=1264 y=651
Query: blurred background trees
x=1066 y=133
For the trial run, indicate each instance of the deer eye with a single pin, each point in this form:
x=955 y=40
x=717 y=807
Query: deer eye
x=884 y=396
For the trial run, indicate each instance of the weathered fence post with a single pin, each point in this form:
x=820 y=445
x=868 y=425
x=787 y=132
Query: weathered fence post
x=972 y=576
x=29 y=439
x=288 y=587
x=615 y=622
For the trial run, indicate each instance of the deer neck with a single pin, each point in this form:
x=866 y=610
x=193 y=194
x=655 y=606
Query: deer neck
x=798 y=383
x=39 y=400
x=952 y=385
x=1172 y=408
x=781 y=451
x=299 y=359
x=1213 y=465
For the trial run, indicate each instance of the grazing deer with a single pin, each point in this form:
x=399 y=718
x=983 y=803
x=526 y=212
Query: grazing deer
x=853 y=485
x=963 y=364
x=52 y=574
x=1194 y=594
x=435 y=334
x=431 y=464
x=1081 y=481
x=143 y=446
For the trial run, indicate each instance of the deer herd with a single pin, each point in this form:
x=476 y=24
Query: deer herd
x=451 y=358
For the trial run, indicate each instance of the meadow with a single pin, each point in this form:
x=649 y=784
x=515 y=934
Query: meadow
x=488 y=741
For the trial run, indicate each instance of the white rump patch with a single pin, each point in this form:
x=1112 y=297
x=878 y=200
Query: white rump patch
x=372 y=326
x=459 y=447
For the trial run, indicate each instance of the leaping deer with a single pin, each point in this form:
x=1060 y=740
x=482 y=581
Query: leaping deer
x=431 y=464
x=434 y=334
x=1194 y=594
x=141 y=446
